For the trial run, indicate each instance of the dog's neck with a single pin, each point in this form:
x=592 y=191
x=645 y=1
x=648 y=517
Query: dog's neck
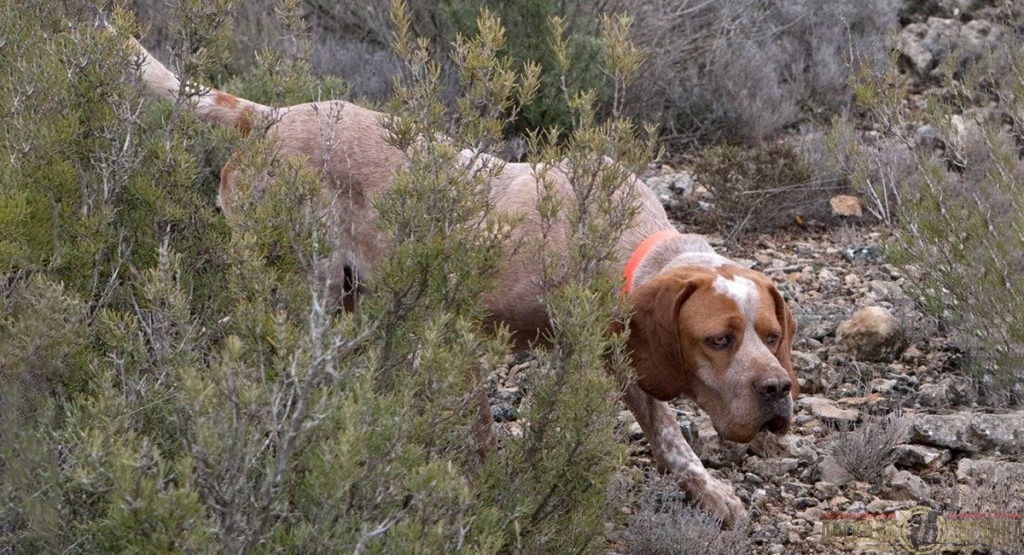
x=685 y=250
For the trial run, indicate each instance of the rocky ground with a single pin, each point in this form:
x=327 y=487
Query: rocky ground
x=887 y=418
x=869 y=362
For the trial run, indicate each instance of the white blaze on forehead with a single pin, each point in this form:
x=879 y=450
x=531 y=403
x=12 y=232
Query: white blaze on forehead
x=743 y=292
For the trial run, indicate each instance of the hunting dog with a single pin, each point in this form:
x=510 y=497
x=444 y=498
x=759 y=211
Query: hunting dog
x=701 y=325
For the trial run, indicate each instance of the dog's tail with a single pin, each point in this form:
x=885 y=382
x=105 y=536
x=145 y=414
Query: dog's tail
x=209 y=104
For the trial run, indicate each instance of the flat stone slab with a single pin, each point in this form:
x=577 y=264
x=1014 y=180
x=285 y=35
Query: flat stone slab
x=972 y=432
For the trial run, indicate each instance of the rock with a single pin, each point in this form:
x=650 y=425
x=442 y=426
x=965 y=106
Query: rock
x=882 y=385
x=971 y=432
x=826 y=410
x=810 y=372
x=863 y=254
x=942 y=430
x=671 y=188
x=907 y=486
x=801 y=503
x=513 y=430
x=846 y=205
x=772 y=467
x=872 y=399
x=956 y=8
x=509 y=395
x=1002 y=433
x=872 y=334
x=790 y=446
x=753 y=479
x=689 y=430
x=885 y=289
x=978 y=37
x=830 y=471
x=927 y=137
x=503 y=412
x=985 y=471
x=925 y=45
x=826 y=490
x=920 y=457
x=935 y=394
x=828 y=279
x=879 y=506
x=635 y=432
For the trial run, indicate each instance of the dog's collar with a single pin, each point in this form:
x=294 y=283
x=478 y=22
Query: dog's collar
x=641 y=252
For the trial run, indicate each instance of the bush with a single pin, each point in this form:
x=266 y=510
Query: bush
x=743 y=70
x=665 y=522
x=176 y=380
x=760 y=189
x=736 y=70
x=957 y=201
x=866 y=451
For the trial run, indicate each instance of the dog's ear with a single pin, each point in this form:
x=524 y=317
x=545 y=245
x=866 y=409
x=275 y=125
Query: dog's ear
x=788 y=323
x=654 y=342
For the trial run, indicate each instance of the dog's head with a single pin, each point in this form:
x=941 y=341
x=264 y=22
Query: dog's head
x=721 y=336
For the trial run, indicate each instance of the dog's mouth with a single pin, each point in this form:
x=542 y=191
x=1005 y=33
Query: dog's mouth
x=777 y=424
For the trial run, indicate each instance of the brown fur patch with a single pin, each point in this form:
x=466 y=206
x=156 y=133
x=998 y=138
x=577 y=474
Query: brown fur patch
x=244 y=125
x=225 y=99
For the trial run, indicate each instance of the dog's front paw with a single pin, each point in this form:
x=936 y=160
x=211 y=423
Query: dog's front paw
x=719 y=499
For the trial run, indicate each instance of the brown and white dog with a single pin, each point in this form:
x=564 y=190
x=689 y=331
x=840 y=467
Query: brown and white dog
x=702 y=326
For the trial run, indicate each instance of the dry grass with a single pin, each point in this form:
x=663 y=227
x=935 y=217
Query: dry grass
x=865 y=451
x=667 y=523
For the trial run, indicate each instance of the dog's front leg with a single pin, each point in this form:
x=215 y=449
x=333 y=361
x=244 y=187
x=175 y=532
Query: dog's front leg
x=674 y=455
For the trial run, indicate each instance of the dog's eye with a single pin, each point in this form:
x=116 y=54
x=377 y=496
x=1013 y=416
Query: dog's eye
x=719 y=342
x=772 y=340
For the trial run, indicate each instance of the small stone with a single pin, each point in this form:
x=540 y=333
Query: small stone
x=882 y=385
x=911 y=354
x=774 y=466
x=512 y=430
x=689 y=430
x=846 y=205
x=879 y=506
x=826 y=490
x=635 y=432
x=509 y=395
x=927 y=137
x=906 y=486
x=503 y=412
x=872 y=334
x=830 y=471
x=801 y=503
x=826 y=410
x=920 y=456
x=935 y=394
x=671 y=188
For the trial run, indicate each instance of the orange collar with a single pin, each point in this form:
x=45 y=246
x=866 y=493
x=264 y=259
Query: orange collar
x=641 y=252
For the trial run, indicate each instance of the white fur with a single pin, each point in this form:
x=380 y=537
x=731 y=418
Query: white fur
x=705 y=259
x=743 y=292
x=748 y=298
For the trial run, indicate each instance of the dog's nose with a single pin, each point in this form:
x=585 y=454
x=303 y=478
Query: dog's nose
x=771 y=388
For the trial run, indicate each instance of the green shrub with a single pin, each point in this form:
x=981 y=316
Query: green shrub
x=955 y=199
x=173 y=379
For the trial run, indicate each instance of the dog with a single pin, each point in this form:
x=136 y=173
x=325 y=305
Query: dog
x=701 y=325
